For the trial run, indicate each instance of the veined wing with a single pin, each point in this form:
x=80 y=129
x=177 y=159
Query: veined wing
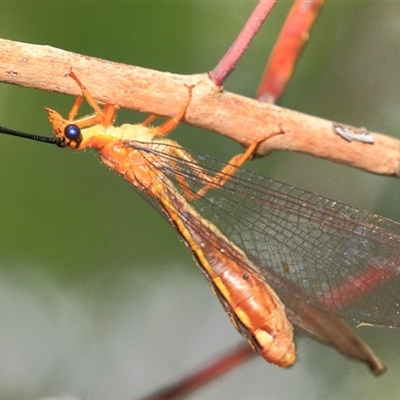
x=333 y=256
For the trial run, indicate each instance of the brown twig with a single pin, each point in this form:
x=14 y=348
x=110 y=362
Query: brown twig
x=237 y=117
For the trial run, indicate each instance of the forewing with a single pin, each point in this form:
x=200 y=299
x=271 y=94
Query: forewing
x=333 y=256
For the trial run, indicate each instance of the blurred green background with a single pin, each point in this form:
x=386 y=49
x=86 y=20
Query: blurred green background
x=98 y=297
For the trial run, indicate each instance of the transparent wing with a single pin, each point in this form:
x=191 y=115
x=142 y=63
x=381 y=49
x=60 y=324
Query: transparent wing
x=335 y=257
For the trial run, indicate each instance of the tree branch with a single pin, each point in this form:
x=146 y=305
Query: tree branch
x=242 y=119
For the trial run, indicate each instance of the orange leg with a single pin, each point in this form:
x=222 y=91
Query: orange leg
x=74 y=110
x=223 y=176
x=210 y=182
x=149 y=120
x=215 y=181
x=103 y=116
x=171 y=123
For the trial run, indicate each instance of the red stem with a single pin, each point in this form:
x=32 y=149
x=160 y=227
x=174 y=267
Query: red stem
x=228 y=62
x=210 y=372
x=292 y=39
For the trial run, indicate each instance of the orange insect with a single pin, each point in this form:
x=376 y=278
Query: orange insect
x=134 y=152
x=248 y=232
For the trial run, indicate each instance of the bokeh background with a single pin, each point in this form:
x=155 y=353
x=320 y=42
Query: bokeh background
x=98 y=298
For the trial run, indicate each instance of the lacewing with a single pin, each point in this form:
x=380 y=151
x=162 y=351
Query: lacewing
x=258 y=241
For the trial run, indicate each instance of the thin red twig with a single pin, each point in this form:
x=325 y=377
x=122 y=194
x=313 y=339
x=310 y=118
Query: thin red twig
x=228 y=62
x=210 y=372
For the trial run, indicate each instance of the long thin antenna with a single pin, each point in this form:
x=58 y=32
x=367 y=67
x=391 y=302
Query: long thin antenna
x=37 y=138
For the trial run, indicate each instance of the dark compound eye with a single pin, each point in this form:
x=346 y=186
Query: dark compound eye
x=73 y=133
